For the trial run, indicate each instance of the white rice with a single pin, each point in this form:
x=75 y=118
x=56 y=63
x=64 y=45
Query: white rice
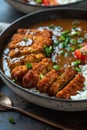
x=67 y=1
x=82 y=94
x=61 y=2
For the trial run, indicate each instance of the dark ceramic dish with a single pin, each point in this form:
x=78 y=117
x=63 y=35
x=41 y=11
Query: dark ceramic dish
x=27 y=8
x=32 y=96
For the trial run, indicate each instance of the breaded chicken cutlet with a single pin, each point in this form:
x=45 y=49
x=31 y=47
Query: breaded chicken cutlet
x=31 y=67
x=22 y=44
x=76 y=84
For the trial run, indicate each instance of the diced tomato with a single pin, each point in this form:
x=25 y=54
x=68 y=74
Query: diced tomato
x=45 y=2
x=53 y=2
x=82 y=52
x=77 y=54
x=50 y=2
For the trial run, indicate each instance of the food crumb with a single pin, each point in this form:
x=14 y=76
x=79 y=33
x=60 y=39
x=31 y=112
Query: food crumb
x=11 y=120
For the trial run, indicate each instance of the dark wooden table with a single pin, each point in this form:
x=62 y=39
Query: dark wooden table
x=75 y=120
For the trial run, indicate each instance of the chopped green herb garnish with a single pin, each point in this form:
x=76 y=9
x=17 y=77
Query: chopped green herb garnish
x=13 y=80
x=64 y=45
x=67 y=40
x=51 y=26
x=11 y=120
x=75 y=33
x=65 y=33
x=80 y=40
x=71 y=49
x=62 y=38
x=62 y=52
x=25 y=39
x=77 y=69
x=56 y=67
x=29 y=66
x=38 y=1
x=79 y=46
x=56 y=43
x=73 y=41
x=41 y=76
x=48 y=50
x=77 y=62
x=74 y=27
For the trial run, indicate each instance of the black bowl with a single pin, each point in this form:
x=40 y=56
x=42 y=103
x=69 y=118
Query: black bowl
x=29 y=95
x=27 y=8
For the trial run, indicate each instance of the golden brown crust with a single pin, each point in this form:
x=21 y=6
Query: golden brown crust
x=44 y=66
x=35 y=40
x=17 y=41
x=24 y=51
x=31 y=42
x=23 y=60
x=43 y=33
x=33 y=76
x=71 y=89
x=30 y=79
x=44 y=84
x=62 y=80
x=18 y=72
x=36 y=47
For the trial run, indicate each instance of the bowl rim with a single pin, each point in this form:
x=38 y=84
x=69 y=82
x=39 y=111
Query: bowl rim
x=27 y=90
x=40 y=6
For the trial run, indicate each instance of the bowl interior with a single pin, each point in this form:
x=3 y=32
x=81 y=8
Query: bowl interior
x=31 y=19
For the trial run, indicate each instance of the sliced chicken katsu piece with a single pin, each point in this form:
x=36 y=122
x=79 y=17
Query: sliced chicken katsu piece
x=36 y=32
x=44 y=84
x=73 y=86
x=36 y=47
x=19 y=41
x=31 y=58
x=24 y=51
x=19 y=71
x=29 y=40
x=62 y=80
x=25 y=39
x=31 y=78
x=19 y=37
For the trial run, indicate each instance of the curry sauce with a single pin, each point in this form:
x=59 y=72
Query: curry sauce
x=48 y=50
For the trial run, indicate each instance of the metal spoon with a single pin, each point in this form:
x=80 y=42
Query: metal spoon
x=6 y=104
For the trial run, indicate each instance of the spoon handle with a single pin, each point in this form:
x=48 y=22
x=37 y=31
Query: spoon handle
x=49 y=122
x=54 y=124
